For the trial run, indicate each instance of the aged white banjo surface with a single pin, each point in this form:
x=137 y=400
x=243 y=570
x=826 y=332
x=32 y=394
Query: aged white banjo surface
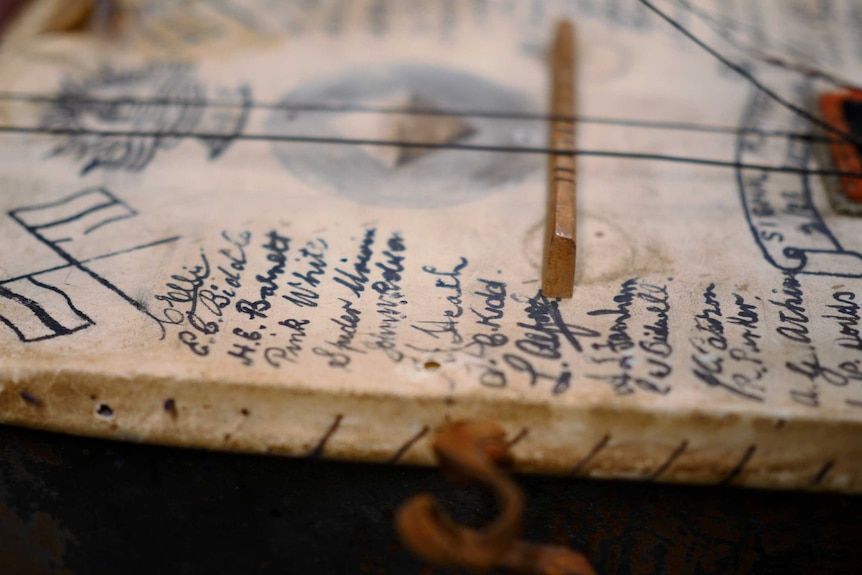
x=218 y=230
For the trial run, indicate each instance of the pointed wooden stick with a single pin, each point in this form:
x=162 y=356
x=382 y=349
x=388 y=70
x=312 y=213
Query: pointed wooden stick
x=558 y=276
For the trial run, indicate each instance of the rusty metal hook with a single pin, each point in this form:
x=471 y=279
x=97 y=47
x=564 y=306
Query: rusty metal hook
x=473 y=452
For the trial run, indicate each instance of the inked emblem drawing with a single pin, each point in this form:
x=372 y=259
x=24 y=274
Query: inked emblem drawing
x=35 y=309
x=779 y=209
x=155 y=107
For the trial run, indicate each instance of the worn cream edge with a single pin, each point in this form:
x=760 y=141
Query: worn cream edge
x=687 y=446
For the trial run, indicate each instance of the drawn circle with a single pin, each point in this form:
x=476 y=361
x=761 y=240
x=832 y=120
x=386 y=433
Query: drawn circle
x=609 y=250
x=427 y=178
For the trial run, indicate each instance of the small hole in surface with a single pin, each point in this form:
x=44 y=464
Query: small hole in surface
x=105 y=410
x=432 y=365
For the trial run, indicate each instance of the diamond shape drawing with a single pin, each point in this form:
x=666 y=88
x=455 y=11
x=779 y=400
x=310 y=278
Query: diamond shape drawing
x=396 y=127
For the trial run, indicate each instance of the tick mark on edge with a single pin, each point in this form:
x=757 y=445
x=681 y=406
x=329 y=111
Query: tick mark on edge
x=399 y=453
x=680 y=449
x=517 y=439
x=583 y=463
x=737 y=469
x=824 y=471
x=321 y=445
x=30 y=398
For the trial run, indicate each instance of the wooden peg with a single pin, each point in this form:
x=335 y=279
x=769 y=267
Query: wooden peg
x=558 y=275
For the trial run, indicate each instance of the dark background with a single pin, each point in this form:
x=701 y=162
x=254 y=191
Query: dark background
x=80 y=505
x=9 y=9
